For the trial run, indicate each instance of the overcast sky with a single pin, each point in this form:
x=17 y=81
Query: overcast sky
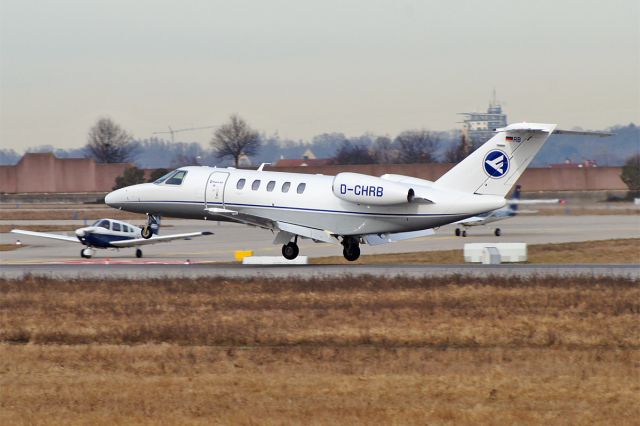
x=306 y=67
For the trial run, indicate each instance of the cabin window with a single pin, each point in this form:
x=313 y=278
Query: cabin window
x=286 y=186
x=104 y=224
x=177 y=178
x=125 y=228
x=255 y=185
x=116 y=226
x=241 y=183
x=271 y=185
x=301 y=188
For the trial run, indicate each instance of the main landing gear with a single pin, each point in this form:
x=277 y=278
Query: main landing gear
x=497 y=232
x=461 y=233
x=152 y=227
x=138 y=253
x=291 y=250
x=351 y=250
x=86 y=253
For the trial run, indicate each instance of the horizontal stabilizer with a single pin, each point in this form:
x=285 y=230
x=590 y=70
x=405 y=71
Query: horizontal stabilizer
x=581 y=133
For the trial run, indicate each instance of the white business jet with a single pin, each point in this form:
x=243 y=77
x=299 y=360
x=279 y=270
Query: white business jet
x=109 y=233
x=512 y=209
x=349 y=208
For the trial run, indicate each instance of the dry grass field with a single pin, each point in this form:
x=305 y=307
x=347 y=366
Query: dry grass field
x=615 y=251
x=333 y=351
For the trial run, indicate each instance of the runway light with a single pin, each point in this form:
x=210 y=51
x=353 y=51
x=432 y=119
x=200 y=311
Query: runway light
x=187 y=262
x=18 y=242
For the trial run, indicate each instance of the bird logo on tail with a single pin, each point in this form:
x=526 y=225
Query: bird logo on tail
x=496 y=163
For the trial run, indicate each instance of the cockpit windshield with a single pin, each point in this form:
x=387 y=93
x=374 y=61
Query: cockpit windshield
x=163 y=178
x=176 y=178
x=172 y=178
x=101 y=223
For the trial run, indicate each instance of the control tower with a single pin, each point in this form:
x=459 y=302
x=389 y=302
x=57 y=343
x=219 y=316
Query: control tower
x=478 y=127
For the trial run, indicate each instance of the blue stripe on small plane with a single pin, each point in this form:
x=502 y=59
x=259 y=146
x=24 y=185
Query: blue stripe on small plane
x=300 y=209
x=103 y=240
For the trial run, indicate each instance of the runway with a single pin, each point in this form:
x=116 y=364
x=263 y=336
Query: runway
x=213 y=255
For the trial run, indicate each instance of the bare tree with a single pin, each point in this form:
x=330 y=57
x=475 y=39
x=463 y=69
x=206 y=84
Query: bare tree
x=235 y=139
x=417 y=146
x=353 y=153
x=458 y=152
x=383 y=150
x=109 y=143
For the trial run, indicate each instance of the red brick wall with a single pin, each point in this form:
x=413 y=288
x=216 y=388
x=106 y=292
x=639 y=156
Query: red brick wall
x=36 y=172
x=46 y=173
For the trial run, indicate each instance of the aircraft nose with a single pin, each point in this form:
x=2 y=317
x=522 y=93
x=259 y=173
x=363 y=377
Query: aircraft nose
x=114 y=198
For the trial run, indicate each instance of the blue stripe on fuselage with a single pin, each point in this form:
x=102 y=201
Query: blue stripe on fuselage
x=102 y=240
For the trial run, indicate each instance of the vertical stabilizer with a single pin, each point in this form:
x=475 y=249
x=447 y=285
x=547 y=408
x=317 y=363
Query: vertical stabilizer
x=494 y=167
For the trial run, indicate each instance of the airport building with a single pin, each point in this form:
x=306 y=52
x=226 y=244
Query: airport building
x=478 y=127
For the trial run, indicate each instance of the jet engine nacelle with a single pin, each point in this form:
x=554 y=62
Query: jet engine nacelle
x=365 y=189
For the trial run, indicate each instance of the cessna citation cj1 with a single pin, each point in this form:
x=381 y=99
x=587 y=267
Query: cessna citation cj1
x=109 y=233
x=349 y=208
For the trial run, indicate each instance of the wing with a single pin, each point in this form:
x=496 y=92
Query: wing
x=46 y=235
x=157 y=239
x=472 y=221
x=376 y=239
x=532 y=201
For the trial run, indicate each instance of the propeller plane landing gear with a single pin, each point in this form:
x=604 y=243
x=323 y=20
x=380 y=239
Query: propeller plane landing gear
x=86 y=253
x=138 y=253
x=497 y=232
x=351 y=250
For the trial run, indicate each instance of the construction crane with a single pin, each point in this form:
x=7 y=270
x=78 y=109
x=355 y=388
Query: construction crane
x=173 y=132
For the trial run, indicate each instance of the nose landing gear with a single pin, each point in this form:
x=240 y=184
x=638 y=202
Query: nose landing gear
x=152 y=226
x=351 y=250
x=86 y=253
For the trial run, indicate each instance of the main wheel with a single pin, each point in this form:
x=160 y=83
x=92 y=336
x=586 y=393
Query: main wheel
x=351 y=253
x=138 y=253
x=497 y=232
x=290 y=251
x=146 y=232
x=464 y=233
x=457 y=232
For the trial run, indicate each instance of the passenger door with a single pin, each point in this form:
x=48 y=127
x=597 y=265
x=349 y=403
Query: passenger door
x=214 y=194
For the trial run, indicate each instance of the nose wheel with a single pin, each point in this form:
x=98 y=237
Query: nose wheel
x=351 y=250
x=86 y=253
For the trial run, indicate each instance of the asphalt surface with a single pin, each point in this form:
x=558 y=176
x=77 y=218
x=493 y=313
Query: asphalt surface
x=62 y=258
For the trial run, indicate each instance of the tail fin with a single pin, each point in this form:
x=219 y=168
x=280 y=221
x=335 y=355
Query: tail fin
x=495 y=167
x=515 y=196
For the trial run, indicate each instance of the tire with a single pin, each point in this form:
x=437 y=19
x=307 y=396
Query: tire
x=290 y=251
x=352 y=253
x=497 y=232
x=464 y=233
x=146 y=232
x=84 y=254
x=457 y=232
x=138 y=253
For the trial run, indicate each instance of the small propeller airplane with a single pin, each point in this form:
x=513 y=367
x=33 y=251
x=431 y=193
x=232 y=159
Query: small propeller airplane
x=109 y=233
x=350 y=208
x=510 y=210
